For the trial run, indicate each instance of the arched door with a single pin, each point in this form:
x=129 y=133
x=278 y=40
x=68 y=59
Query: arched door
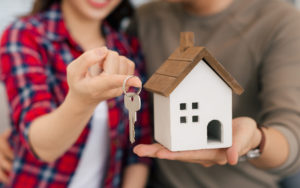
x=214 y=132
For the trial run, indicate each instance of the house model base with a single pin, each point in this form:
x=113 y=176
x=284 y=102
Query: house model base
x=192 y=100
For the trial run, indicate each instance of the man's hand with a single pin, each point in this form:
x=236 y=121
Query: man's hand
x=246 y=136
x=6 y=157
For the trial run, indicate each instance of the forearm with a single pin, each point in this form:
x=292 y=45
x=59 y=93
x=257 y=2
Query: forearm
x=135 y=176
x=276 y=150
x=53 y=134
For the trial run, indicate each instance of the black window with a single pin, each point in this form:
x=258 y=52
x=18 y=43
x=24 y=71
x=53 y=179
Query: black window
x=194 y=105
x=195 y=119
x=182 y=119
x=182 y=106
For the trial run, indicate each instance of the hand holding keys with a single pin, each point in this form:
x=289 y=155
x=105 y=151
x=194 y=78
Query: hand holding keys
x=132 y=103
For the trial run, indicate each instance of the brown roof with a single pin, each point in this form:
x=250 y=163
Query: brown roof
x=179 y=65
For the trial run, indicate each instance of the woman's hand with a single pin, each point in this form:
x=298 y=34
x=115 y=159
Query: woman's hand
x=6 y=157
x=52 y=134
x=246 y=136
x=90 y=89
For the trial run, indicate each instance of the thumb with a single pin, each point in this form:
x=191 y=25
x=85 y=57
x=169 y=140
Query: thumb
x=232 y=154
x=144 y=150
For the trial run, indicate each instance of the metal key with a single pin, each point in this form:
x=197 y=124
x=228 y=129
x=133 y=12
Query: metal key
x=133 y=104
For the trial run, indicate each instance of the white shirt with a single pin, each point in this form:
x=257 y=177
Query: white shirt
x=91 y=168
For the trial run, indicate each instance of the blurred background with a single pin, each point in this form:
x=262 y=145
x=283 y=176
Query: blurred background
x=11 y=9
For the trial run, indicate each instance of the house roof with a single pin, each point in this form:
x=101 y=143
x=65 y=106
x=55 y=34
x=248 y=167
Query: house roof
x=180 y=64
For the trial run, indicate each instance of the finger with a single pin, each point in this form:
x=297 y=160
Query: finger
x=167 y=154
x=208 y=165
x=94 y=70
x=128 y=67
x=159 y=151
x=131 y=67
x=88 y=59
x=108 y=82
x=205 y=154
x=203 y=163
x=5 y=164
x=144 y=150
x=111 y=63
x=239 y=134
x=123 y=68
x=6 y=150
x=3 y=177
x=8 y=154
x=209 y=162
x=232 y=154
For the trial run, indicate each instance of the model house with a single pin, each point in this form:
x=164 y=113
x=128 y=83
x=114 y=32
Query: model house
x=192 y=99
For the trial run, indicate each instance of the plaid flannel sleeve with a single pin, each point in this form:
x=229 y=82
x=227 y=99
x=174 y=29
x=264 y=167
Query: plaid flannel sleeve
x=24 y=74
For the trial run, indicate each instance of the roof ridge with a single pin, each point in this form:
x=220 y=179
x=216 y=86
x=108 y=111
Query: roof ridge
x=180 y=63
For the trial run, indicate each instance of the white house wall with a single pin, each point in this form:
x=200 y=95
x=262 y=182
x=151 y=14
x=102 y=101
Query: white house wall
x=162 y=120
x=204 y=86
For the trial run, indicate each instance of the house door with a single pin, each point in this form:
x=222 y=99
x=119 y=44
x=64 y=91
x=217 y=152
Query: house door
x=214 y=132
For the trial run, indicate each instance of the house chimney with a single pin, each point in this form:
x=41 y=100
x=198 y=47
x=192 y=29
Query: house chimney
x=187 y=40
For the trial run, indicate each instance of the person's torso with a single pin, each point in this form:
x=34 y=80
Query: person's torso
x=57 y=49
x=238 y=37
x=91 y=168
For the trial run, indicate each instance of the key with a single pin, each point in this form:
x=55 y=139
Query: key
x=133 y=104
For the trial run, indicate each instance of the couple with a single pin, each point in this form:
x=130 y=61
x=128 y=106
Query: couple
x=70 y=128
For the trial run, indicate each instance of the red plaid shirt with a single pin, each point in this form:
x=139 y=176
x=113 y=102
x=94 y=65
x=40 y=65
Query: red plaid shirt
x=34 y=53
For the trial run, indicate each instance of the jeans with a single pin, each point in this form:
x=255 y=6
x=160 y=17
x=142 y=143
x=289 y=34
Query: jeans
x=292 y=181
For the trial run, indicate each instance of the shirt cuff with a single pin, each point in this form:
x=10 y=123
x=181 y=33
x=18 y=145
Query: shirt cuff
x=38 y=110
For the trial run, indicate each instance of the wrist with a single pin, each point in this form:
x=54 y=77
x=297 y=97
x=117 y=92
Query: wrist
x=257 y=138
x=257 y=146
x=262 y=129
x=77 y=105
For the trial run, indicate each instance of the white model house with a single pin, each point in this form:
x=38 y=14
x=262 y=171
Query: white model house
x=192 y=99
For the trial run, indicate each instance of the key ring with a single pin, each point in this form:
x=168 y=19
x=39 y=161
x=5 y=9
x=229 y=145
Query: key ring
x=124 y=86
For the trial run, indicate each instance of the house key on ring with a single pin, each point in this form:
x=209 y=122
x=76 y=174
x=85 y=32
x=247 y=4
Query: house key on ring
x=132 y=103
